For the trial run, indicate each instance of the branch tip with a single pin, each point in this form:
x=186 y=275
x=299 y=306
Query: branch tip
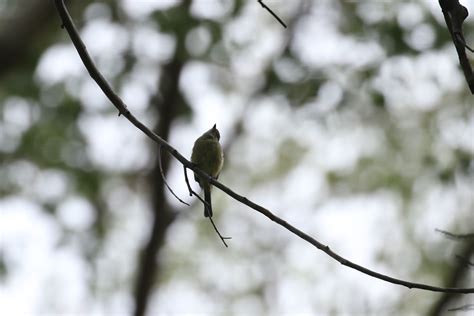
x=272 y=13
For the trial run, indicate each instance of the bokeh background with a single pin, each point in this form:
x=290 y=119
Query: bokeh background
x=354 y=124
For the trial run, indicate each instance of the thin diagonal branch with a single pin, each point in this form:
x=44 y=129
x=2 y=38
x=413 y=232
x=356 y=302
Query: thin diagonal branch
x=458 y=274
x=464 y=308
x=218 y=232
x=461 y=39
x=118 y=103
x=191 y=193
x=455 y=236
x=272 y=13
x=465 y=261
x=164 y=178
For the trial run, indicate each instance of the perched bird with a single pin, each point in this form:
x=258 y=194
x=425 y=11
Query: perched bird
x=208 y=156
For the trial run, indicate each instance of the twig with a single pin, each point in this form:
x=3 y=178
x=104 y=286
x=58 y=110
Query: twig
x=464 y=308
x=187 y=180
x=164 y=178
x=455 y=236
x=465 y=261
x=460 y=38
x=272 y=13
x=218 y=233
x=118 y=103
x=191 y=193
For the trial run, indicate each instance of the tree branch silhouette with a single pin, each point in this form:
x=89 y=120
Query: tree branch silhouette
x=464 y=308
x=272 y=13
x=455 y=236
x=191 y=193
x=454 y=15
x=164 y=178
x=68 y=24
x=457 y=275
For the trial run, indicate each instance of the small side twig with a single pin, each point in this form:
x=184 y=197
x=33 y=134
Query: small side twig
x=191 y=193
x=272 y=13
x=464 y=308
x=164 y=178
x=460 y=39
x=218 y=233
x=455 y=236
x=465 y=261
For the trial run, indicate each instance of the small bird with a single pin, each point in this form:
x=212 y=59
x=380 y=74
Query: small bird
x=208 y=156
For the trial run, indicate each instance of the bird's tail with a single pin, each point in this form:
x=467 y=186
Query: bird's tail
x=207 y=198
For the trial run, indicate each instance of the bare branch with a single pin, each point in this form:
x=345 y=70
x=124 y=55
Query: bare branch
x=457 y=275
x=191 y=193
x=164 y=178
x=455 y=14
x=272 y=13
x=455 y=236
x=460 y=38
x=465 y=261
x=464 y=308
x=218 y=233
x=118 y=103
